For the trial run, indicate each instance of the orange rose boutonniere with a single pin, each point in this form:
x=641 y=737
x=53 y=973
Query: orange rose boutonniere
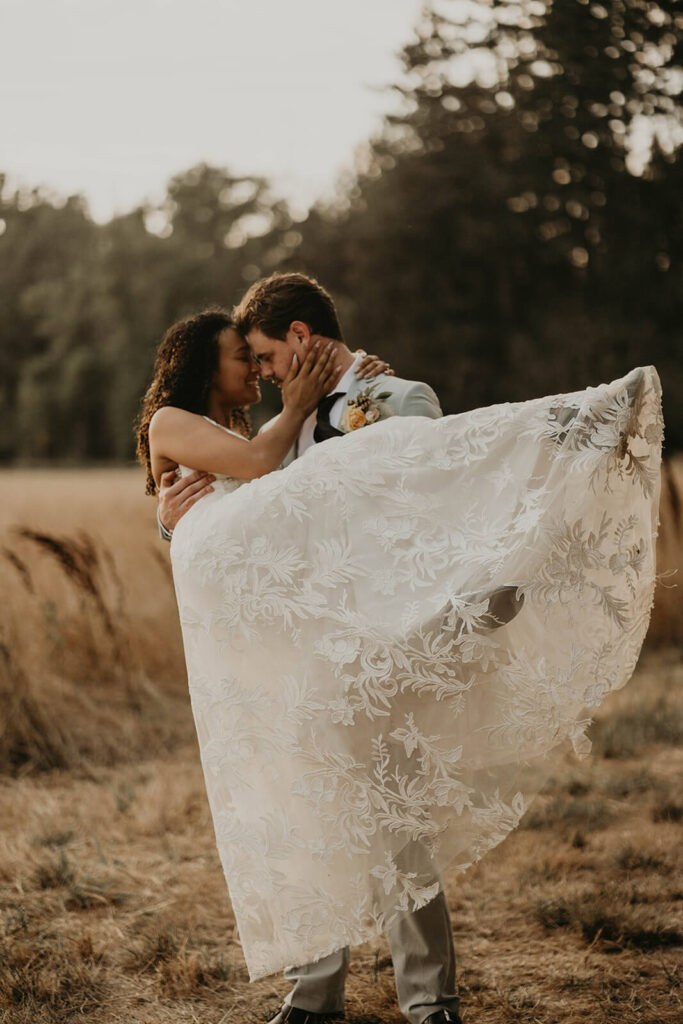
x=363 y=409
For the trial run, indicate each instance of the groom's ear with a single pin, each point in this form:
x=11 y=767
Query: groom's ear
x=299 y=335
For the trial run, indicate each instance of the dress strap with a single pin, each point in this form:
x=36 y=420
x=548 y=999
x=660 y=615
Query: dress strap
x=227 y=429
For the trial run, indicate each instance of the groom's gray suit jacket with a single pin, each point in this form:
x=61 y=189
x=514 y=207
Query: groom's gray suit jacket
x=405 y=398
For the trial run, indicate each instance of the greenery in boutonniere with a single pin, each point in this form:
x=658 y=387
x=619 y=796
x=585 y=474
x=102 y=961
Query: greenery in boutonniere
x=363 y=409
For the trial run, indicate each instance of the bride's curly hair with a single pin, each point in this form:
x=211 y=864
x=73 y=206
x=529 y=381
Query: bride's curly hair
x=186 y=361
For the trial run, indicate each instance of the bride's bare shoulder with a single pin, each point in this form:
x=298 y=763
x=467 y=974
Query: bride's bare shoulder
x=169 y=417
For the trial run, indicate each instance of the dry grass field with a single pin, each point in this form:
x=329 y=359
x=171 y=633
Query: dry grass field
x=113 y=906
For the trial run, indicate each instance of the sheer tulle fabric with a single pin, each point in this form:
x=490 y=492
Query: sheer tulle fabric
x=388 y=641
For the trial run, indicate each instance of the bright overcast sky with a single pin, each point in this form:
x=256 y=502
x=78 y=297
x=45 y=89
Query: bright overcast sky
x=112 y=97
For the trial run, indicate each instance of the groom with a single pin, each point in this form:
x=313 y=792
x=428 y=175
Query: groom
x=281 y=317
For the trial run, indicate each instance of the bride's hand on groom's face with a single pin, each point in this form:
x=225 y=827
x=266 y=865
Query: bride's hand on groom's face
x=177 y=496
x=309 y=381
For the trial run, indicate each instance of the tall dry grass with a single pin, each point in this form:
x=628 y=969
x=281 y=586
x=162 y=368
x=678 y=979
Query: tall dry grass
x=666 y=625
x=91 y=663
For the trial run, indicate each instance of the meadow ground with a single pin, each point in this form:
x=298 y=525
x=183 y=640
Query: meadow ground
x=113 y=905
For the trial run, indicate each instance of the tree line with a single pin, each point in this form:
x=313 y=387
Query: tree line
x=514 y=230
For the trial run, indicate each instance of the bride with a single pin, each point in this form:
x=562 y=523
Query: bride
x=389 y=641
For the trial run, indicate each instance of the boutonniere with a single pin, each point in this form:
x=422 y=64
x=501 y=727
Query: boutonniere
x=363 y=409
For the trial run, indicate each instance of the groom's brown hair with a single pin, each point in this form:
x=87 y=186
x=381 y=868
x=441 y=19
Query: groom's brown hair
x=272 y=304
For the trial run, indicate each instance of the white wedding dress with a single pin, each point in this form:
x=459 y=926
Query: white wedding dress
x=390 y=640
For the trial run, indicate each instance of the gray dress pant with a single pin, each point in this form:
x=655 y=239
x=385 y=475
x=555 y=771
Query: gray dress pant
x=421 y=945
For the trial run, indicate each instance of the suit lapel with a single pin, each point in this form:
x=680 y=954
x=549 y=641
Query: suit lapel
x=355 y=389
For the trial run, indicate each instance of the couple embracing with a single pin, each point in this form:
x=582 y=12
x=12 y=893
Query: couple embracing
x=394 y=622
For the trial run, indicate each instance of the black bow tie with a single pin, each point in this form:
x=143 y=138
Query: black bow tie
x=323 y=427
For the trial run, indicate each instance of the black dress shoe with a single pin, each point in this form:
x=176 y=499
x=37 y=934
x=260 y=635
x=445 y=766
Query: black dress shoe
x=293 y=1015
x=443 y=1017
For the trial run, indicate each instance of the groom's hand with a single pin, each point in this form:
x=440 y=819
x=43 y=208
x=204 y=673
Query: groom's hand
x=177 y=496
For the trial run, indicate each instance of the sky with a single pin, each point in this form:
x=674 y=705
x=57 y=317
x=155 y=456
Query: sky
x=110 y=98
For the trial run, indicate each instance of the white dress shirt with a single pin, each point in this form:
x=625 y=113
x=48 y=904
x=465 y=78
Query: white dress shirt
x=305 y=439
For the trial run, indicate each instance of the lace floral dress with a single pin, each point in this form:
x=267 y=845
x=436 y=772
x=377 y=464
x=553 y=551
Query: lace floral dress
x=389 y=641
